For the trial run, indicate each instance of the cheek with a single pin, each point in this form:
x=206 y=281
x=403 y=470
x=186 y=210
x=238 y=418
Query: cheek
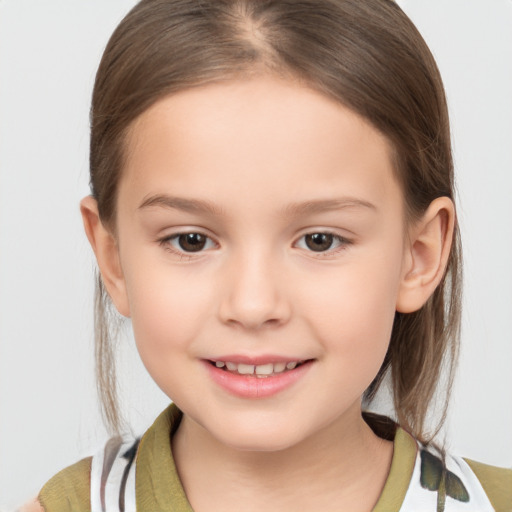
x=353 y=312
x=167 y=311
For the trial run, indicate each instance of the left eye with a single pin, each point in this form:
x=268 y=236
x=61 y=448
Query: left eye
x=321 y=242
x=190 y=242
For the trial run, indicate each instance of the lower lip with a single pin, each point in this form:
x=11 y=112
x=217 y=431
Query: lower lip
x=250 y=386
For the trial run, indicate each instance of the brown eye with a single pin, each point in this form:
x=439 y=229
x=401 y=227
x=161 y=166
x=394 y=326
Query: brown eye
x=192 y=242
x=319 y=242
x=187 y=243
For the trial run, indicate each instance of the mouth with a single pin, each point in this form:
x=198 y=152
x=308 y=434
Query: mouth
x=260 y=371
x=257 y=378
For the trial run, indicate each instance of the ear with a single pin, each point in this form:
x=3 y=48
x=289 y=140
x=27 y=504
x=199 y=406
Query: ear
x=427 y=253
x=106 y=250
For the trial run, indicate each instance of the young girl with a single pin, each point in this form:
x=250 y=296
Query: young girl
x=272 y=206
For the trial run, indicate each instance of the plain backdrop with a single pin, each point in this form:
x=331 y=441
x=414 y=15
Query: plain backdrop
x=49 y=51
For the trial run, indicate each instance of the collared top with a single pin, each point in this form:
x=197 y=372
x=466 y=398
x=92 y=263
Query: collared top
x=141 y=475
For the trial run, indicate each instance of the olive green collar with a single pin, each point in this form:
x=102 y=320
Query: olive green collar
x=157 y=484
x=400 y=473
x=158 y=487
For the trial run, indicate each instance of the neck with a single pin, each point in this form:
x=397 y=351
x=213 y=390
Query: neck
x=341 y=467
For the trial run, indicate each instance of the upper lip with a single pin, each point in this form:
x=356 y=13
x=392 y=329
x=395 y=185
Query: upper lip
x=256 y=360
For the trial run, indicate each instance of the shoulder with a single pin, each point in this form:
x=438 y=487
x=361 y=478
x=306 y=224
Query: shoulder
x=68 y=490
x=456 y=479
x=109 y=476
x=497 y=484
x=437 y=480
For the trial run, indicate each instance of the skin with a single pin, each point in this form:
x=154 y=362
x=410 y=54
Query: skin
x=254 y=148
x=33 y=506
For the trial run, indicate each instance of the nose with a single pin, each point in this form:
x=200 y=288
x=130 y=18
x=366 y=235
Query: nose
x=254 y=294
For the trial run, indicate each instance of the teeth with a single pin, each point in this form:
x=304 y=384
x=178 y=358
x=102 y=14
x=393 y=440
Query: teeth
x=264 y=369
x=246 y=369
x=279 y=367
x=260 y=370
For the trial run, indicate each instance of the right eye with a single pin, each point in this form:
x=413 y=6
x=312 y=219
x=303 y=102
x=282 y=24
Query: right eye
x=188 y=242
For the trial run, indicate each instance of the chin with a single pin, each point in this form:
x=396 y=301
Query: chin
x=259 y=437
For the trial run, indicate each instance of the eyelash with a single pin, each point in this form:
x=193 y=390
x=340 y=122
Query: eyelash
x=166 y=243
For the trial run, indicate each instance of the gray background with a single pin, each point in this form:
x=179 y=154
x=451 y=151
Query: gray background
x=48 y=54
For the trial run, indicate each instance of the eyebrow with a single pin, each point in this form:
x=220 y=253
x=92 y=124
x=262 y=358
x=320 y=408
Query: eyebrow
x=299 y=208
x=325 y=205
x=181 y=203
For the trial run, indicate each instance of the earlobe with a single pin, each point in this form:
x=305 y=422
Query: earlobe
x=106 y=250
x=427 y=255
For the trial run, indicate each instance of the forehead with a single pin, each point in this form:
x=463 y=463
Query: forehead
x=261 y=137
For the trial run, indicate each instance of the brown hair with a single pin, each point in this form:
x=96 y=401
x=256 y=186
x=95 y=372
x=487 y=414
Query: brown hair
x=368 y=56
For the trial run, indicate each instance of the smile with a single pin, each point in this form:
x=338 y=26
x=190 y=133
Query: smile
x=260 y=370
x=263 y=380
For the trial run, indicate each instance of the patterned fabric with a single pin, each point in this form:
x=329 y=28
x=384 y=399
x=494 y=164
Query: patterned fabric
x=448 y=487
x=113 y=476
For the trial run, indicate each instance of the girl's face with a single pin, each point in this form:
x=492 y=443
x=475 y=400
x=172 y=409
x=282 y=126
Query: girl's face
x=260 y=223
